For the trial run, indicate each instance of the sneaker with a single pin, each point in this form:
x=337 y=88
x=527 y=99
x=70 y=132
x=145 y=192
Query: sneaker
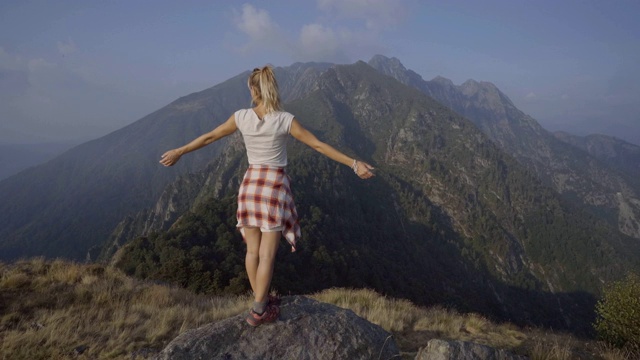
x=271 y=314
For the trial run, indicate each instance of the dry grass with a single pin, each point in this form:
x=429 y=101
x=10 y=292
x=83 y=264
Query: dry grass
x=414 y=326
x=51 y=310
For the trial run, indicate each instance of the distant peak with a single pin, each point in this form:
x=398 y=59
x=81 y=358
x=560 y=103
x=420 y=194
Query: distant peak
x=442 y=80
x=386 y=61
x=379 y=57
x=470 y=82
x=472 y=86
x=481 y=84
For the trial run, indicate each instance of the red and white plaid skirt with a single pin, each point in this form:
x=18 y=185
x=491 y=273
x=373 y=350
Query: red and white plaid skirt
x=265 y=201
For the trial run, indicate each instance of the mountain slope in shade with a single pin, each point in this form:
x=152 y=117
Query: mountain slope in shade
x=71 y=204
x=608 y=190
x=448 y=219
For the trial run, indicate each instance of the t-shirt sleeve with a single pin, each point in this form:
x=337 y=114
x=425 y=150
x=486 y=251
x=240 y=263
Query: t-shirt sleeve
x=288 y=120
x=236 y=117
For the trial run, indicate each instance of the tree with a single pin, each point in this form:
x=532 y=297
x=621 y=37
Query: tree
x=618 y=314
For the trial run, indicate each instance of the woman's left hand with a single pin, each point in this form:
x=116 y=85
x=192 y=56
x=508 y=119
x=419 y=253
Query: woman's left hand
x=170 y=157
x=364 y=170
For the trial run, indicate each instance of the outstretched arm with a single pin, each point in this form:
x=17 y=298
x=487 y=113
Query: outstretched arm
x=361 y=168
x=227 y=128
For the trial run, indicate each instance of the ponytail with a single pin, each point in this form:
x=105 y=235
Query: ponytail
x=264 y=84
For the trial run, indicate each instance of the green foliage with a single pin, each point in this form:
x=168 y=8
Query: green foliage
x=618 y=320
x=203 y=252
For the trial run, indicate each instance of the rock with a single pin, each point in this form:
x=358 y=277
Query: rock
x=463 y=350
x=307 y=329
x=145 y=352
x=36 y=326
x=80 y=350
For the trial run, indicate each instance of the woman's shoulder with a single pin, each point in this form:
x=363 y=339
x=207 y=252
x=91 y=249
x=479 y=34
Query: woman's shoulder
x=283 y=114
x=244 y=113
x=241 y=111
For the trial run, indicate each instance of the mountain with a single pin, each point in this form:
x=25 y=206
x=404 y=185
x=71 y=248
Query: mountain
x=608 y=190
x=623 y=155
x=71 y=204
x=453 y=216
x=613 y=126
x=449 y=219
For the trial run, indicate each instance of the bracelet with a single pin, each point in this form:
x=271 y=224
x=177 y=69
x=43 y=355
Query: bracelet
x=355 y=166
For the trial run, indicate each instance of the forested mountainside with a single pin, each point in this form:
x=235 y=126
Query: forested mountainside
x=69 y=205
x=450 y=218
x=609 y=189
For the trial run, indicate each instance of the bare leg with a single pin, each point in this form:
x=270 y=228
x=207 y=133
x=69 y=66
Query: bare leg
x=268 y=248
x=252 y=238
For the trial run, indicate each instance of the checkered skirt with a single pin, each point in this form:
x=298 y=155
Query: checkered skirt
x=265 y=201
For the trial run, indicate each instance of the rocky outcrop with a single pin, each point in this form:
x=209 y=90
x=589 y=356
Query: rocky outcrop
x=438 y=349
x=306 y=329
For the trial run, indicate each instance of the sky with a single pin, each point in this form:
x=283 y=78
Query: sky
x=77 y=70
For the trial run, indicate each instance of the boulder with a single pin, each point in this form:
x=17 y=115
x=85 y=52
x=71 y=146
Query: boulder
x=306 y=329
x=438 y=349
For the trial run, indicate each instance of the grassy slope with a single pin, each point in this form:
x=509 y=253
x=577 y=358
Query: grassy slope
x=56 y=309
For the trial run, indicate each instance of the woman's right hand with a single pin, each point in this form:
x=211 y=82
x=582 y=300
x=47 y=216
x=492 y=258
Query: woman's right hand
x=170 y=157
x=363 y=170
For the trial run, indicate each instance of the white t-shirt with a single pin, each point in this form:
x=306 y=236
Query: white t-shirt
x=266 y=139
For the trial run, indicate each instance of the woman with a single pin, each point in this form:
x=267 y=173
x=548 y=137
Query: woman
x=265 y=203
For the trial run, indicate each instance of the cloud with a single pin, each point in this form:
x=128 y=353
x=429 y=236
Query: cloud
x=66 y=47
x=317 y=41
x=531 y=96
x=259 y=27
x=37 y=65
x=376 y=14
x=322 y=43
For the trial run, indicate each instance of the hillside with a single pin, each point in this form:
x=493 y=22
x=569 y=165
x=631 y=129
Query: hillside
x=125 y=318
x=607 y=188
x=450 y=218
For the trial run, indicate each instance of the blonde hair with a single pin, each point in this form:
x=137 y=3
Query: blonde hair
x=265 y=88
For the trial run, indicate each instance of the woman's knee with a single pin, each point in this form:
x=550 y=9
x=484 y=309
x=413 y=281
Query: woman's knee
x=252 y=239
x=269 y=245
x=252 y=254
x=267 y=256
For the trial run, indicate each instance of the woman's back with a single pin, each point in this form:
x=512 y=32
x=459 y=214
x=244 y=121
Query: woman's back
x=265 y=139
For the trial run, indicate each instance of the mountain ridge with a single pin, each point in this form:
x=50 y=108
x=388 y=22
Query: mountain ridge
x=569 y=169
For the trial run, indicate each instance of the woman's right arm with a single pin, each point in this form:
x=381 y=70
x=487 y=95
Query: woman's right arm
x=227 y=128
x=361 y=168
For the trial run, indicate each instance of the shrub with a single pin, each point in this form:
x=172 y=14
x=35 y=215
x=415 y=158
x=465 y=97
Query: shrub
x=618 y=314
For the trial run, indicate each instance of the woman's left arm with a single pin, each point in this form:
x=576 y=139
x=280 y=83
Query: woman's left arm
x=361 y=168
x=227 y=128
